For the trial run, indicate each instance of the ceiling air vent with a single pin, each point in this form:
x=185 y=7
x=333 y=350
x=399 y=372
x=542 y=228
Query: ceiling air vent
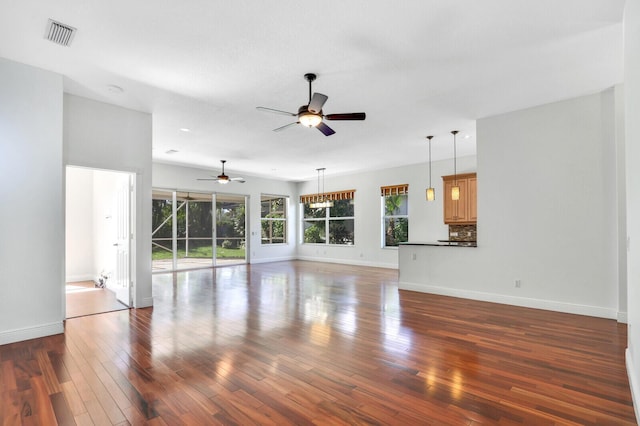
x=59 y=33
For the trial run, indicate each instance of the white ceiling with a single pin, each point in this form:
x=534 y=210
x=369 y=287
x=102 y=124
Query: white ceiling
x=416 y=67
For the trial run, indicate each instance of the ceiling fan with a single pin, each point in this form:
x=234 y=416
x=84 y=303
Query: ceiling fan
x=311 y=115
x=224 y=179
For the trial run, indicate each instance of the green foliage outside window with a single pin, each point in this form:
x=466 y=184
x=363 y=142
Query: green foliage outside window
x=329 y=225
x=274 y=219
x=396 y=220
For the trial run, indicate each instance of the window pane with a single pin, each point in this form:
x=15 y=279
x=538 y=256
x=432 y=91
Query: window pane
x=396 y=205
x=341 y=208
x=314 y=231
x=200 y=219
x=273 y=207
x=396 y=230
x=314 y=213
x=273 y=231
x=181 y=219
x=161 y=218
x=341 y=231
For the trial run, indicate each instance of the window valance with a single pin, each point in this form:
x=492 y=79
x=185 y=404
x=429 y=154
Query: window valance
x=332 y=196
x=401 y=189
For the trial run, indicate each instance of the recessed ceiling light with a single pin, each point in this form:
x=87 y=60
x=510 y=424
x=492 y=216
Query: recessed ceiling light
x=171 y=151
x=467 y=136
x=184 y=129
x=112 y=88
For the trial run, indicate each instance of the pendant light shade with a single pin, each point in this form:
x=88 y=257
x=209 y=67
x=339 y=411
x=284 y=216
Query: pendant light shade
x=455 y=193
x=455 y=189
x=431 y=192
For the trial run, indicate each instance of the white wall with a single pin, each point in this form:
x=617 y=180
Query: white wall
x=546 y=212
x=426 y=221
x=103 y=136
x=632 y=137
x=79 y=225
x=185 y=179
x=32 y=214
x=621 y=198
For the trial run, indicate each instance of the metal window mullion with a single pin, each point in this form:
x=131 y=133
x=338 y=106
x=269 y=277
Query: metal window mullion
x=214 y=229
x=186 y=229
x=174 y=230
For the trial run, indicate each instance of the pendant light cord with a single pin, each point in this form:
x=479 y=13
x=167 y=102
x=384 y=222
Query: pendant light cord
x=455 y=173
x=429 y=137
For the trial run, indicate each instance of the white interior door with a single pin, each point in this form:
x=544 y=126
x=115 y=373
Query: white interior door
x=122 y=279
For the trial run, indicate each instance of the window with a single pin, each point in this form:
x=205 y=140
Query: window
x=328 y=225
x=273 y=212
x=395 y=214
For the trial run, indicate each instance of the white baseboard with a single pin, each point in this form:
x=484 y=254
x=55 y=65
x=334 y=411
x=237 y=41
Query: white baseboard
x=349 y=262
x=28 y=333
x=634 y=382
x=78 y=278
x=622 y=317
x=548 y=305
x=272 y=259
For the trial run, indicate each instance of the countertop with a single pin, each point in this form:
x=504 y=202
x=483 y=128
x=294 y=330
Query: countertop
x=441 y=243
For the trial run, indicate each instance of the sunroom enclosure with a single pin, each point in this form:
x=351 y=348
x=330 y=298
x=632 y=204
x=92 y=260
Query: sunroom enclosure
x=185 y=227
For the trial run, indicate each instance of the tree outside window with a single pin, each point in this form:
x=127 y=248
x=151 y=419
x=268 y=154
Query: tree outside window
x=329 y=225
x=395 y=221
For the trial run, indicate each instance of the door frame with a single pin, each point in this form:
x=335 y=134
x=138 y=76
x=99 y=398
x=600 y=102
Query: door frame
x=132 y=179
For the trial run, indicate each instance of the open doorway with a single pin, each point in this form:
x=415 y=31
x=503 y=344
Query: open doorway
x=99 y=213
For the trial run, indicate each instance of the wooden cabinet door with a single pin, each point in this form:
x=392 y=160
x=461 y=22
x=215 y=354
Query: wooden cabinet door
x=450 y=207
x=455 y=211
x=473 y=199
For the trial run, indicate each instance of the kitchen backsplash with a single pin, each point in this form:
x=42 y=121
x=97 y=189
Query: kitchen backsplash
x=463 y=232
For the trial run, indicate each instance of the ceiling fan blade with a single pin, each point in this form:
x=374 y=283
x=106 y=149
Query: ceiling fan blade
x=208 y=179
x=285 y=126
x=237 y=179
x=276 y=111
x=346 y=116
x=328 y=131
x=317 y=102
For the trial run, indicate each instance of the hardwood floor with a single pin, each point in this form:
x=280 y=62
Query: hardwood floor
x=311 y=343
x=83 y=298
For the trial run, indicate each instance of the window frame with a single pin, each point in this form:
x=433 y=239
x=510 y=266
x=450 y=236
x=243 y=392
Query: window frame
x=327 y=219
x=272 y=220
x=392 y=191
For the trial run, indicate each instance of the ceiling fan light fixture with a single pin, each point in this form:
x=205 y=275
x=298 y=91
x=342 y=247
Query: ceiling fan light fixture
x=223 y=179
x=309 y=119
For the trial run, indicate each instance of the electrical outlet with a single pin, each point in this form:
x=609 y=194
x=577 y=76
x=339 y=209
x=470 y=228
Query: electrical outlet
x=413 y=256
x=518 y=283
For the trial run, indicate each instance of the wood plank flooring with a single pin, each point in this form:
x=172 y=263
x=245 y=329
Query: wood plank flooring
x=83 y=298
x=310 y=343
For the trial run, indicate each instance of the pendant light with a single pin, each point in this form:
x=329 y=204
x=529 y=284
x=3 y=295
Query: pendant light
x=455 y=189
x=322 y=201
x=431 y=192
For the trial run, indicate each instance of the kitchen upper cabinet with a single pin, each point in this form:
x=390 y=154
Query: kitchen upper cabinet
x=462 y=211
